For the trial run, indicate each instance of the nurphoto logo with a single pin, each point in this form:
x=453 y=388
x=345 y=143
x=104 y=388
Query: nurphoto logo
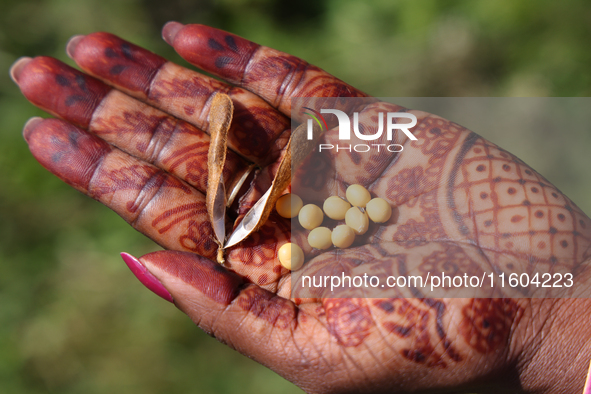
x=344 y=124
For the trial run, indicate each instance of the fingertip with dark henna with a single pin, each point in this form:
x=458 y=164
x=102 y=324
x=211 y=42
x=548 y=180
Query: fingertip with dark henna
x=17 y=68
x=170 y=30
x=145 y=276
x=111 y=58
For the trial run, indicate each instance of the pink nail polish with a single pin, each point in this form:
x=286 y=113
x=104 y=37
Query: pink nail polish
x=170 y=30
x=145 y=276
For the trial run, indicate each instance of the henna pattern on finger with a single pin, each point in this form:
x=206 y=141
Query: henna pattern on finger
x=59 y=144
x=260 y=248
x=271 y=74
x=255 y=126
x=61 y=90
x=198 y=237
x=113 y=59
x=275 y=75
x=222 y=53
x=134 y=177
x=181 y=92
x=159 y=139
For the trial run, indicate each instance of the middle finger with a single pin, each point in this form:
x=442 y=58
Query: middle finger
x=258 y=133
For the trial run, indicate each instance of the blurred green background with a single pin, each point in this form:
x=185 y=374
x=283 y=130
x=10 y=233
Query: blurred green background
x=73 y=319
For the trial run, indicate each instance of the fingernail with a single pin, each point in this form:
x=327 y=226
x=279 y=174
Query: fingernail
x=30 y=126
x=17 y=68
x=145 y=276
x=72 y=44
x=170 y=30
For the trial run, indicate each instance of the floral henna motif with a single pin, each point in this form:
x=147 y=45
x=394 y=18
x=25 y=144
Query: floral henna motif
x=198 y=237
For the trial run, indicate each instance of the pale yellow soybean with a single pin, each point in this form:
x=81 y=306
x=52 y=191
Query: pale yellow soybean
x=358 y=195
x=289 y=205
x=357 y=220
x=335 y=207
x=342 y=236
x=291 y=256
x=379 y=210
x=320 y=238
x=310 y=216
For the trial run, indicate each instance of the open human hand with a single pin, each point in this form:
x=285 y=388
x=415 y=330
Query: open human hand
x=134 y=140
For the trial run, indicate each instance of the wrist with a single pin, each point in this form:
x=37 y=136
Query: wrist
x=558 y=349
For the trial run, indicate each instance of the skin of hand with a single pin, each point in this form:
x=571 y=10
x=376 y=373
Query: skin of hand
x=130 y=134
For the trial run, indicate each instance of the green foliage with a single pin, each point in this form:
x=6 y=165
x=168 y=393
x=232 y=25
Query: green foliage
x=72 y=317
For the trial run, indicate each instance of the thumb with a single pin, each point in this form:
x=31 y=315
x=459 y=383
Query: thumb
x=254 y=321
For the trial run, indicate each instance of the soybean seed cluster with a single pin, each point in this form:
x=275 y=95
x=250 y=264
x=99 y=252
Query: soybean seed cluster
x=357 y=210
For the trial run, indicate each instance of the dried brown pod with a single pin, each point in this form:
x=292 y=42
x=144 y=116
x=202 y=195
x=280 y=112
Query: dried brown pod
x=298 y=147
x=220 y=117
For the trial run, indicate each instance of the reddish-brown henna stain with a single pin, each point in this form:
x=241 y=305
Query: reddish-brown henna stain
x=135 y=177
x=487 y=322
x=412 y=321
x=540 y=197
x=147 y=128
x=200 y=86
x=268 y=306
x=260 y=248
x=416 y=185
x=199 y=238
x=225 y=54
x=69 y=152
x=123 y=63
x=194 y=158
x=171 y=217
x=61 y=90
x=315 y=171
x=349 y=320
x=451 y=259
x=254 y=129
x=153 y=133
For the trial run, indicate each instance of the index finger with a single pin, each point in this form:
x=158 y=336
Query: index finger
x=271 y=74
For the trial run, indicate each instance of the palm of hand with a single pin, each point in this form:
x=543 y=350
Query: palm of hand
x=461 y=202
